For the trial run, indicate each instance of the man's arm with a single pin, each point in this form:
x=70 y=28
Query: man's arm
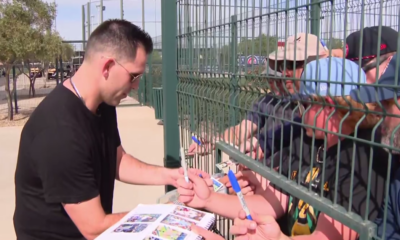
x=266 y=201
x=329 y=229
x=65 y=168
x=90 y=218
x=132 y=170
x=241 y=132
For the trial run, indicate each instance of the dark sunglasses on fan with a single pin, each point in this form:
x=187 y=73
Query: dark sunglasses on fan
x=290 y=65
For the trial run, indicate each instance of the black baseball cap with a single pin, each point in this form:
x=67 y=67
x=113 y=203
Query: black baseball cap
x=387 y=87
x=369 y=44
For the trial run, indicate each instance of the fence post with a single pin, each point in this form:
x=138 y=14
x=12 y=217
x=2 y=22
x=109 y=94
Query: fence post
x=57 y=72
x=83 y=28
x=169 y=83
x=315 y=16
x=61 y=70
x=122 y=8
x=88 y=18
x=101 y=12
x=233 y=70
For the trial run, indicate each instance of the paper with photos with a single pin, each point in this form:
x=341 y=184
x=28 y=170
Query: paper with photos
x=159 y=221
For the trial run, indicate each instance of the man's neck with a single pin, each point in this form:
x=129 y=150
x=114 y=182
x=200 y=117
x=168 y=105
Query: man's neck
x=85 y=84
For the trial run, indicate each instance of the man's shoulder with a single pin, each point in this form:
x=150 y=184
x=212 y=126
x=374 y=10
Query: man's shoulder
x=274 y=104
x=60 y=107
x=367 y=155
x=362 y=143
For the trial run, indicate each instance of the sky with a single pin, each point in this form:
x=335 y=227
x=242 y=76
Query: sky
x=280 y=23
x=69 y=15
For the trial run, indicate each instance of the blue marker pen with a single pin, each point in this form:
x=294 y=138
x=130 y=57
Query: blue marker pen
x=323 y=44
x=236 y=188
x=196 y=140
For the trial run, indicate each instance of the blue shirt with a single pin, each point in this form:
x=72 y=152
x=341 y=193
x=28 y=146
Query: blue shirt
x=273 y=117
x=393 y=211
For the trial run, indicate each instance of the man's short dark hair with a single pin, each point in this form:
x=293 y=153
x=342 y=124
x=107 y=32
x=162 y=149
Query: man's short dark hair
x=120 y=37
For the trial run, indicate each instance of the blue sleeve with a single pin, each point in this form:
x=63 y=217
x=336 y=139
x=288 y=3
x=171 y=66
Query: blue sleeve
x=392 y=230
x=273 y=137
x=259 y=110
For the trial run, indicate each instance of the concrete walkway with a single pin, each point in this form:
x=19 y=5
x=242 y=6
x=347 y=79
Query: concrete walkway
x=140 y=135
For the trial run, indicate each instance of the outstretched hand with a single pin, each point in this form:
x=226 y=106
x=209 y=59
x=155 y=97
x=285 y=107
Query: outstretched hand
x=175 y=174
x=196 y=192
x=261 y=228
x=243 y=177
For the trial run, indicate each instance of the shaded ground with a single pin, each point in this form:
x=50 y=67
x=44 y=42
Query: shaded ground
x=26 y=104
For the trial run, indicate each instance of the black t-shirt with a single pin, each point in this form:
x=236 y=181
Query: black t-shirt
x=302 y=217
x=67 y=154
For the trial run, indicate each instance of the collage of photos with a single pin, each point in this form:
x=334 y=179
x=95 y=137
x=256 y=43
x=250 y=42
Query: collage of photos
x=137 y=223
x=168 y=229
x=182 y=217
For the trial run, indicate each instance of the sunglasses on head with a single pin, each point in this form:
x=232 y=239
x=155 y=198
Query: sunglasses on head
x=373 y=65
x=133 y=76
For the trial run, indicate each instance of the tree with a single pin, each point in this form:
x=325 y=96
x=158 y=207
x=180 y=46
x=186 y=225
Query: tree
x=156 y=57
x=336 y=43
x=52 y=48
x=23 y=25
x=262 y=45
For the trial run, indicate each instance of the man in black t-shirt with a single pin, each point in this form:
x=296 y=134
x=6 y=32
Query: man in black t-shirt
x=70 y=150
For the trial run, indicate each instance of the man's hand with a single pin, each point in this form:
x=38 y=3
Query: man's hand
x=207 y=235
x=261 y=228
x=196 y=193
x=173 y=174
x=244 y=183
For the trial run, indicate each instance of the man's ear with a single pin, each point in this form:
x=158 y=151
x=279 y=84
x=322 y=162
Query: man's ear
x=107 y=65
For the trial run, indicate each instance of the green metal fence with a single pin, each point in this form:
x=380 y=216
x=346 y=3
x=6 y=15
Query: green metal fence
x=222 y=47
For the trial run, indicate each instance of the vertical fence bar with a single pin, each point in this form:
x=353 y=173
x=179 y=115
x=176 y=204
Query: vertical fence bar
x=191 y=100
x=233 y=70
x=88 y=18
x=143 y=14
x=140 y=91
x=83 y=28
x=122 y=8
x=101 y=11
x=149 y=80
x=315 y=17
x=169 y=83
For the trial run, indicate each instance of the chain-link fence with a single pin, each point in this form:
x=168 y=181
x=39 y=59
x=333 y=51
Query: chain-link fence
x=249 y=74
